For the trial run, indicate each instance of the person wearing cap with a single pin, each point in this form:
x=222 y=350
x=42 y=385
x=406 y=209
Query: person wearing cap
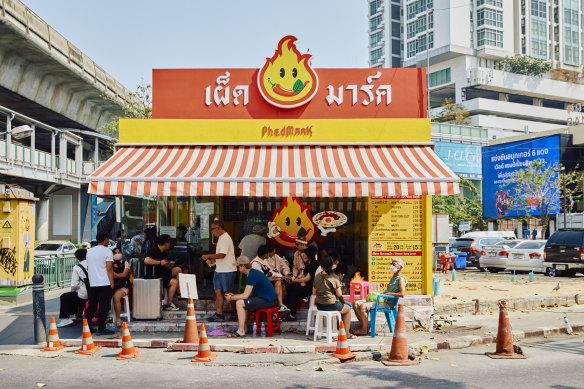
x=250 y=243
x=396 y=287
x=264 y=295
x=300 y=259
x=86 y=245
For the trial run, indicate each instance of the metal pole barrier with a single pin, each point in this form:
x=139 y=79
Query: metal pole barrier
x=38 y=309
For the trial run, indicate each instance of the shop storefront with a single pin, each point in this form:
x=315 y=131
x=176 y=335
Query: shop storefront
x=340 y=155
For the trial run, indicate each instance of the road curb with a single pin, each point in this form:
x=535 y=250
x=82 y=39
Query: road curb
x=370 y=349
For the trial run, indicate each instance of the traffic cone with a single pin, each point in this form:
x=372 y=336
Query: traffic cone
x=204 y=354
x=342 y=352
x=399 y=345
x=505 y=349
x=128 y=350
x=53 y=344
x=191 y=335
x=87 y=346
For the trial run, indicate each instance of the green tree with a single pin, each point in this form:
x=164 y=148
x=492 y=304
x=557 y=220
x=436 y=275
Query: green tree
x=138 y=106
x=539 y=185
x=529 y=66
x=452 y=113
x=462 y=209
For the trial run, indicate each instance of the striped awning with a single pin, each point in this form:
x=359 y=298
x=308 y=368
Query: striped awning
x=275 y=171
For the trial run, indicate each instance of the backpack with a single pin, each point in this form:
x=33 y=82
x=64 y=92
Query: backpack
x=86 y=279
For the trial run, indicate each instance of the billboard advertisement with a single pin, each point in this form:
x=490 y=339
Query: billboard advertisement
x=463 y=159
x=499 y=164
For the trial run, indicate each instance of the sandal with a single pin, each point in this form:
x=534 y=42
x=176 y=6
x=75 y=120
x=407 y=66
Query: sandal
x=358 y=333
x=351 y=336
x=236 y=334
x=118 y=323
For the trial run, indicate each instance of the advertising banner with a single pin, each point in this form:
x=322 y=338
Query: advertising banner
x=395 y=230
x=463 y=159
x=499 y=164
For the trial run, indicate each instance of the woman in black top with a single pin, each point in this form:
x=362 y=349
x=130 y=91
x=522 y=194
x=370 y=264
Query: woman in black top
x=302 y=287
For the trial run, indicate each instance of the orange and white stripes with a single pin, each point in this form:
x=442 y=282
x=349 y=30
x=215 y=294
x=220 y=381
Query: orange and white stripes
x=204 y=353
x=87 y=345
x=128 y=349
x=342 y=352
x=275 y=171
x=53 y=343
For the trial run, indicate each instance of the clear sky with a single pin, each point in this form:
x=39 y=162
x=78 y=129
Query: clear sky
x=128 y=38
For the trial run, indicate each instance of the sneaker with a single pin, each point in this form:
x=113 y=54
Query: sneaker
x=284 y=309
x=64 y=322
x=171 y=307
x=216 y=318
x=104 y=332
x=233 y=316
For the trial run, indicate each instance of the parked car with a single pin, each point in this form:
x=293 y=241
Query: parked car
x=490 y=234
x=494 y=257
x=564 y=252
x=527 y=256
x=473 y=247
x=53 y=248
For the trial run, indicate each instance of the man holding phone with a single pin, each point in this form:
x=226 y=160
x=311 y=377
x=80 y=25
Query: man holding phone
x=165 y=269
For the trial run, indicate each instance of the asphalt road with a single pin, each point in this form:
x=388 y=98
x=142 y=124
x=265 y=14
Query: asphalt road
x=551 y=364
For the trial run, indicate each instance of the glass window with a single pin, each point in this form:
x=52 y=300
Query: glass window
x=539 y=46
x=375 y=55
x=567 y=237
x=395 y=12
x=374 y=22
x=375 y=38
x=440 y=77
x=396 y=47
x=489 y=37
x=530 y=245
x=417 y=7
x=395 y=30
x=495 y=3
x=490 y=17
x=571 y=32
x=395 y=62
x=373 y=7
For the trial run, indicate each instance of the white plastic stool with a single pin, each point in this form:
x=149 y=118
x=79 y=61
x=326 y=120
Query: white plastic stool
x=125 y=310
x=311 y=313
x=328 y=319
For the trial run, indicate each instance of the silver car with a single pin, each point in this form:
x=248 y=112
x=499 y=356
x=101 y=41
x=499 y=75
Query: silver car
x=527 y=256
x=494 y=257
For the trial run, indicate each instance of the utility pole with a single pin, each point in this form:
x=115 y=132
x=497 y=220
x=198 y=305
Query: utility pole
x=428 y=12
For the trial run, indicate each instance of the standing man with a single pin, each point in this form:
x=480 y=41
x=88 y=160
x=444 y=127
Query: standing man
x=101 y=278
x=225 y=271
x=250 y=243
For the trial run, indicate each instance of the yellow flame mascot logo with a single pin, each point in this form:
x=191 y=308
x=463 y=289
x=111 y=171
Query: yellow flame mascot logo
x=287 y=80
x=290 y=221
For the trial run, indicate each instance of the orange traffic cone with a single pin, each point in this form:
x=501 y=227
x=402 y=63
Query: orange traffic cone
x=191 y=335
x=87 y=346
x=128 y=350
x=53 y=344
x=505 y=349
x=204 y=354
x=399 y=345
x=342 y=352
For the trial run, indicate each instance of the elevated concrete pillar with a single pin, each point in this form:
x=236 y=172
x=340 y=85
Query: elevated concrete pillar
x=42 y=220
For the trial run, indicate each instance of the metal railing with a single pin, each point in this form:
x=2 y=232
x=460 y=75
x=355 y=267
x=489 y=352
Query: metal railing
x=56 y=270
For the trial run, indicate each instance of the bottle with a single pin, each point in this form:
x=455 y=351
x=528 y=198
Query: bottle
x=431 y=324
x=453 y=274
x=569 y=329
x=263 y=330
x=255 y=330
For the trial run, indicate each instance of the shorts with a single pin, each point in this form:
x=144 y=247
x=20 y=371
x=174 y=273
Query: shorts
x=255 y=303
x=363 y=303
x=166 y=281
x=224 y=281
x=338 y=306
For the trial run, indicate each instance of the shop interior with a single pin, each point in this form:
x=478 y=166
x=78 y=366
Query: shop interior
x=188 y=219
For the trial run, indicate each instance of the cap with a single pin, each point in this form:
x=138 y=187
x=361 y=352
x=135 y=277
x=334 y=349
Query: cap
x=242 y=261
x=257 y=228
x=85 y=244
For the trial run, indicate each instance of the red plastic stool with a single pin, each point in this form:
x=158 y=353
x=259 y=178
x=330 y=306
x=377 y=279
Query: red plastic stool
x=269 y=327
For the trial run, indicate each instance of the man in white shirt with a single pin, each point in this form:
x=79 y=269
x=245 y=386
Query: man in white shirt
x=72 y=302
x=101 y=279
x=225 y=270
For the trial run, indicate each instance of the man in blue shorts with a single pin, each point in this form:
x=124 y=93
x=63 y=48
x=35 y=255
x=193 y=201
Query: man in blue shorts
x=225 y=270
x=264 y=295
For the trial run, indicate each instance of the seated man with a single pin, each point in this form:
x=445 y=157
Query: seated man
x=264 y=295
x=73 y=302
x=261 y=263
x=165 y=269
x=396 y=287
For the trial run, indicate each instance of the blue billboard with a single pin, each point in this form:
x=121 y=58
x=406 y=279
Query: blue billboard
x=499 y=164
x=463 y=159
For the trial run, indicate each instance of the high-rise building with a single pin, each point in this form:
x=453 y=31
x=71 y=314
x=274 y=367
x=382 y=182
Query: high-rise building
x=469 y=39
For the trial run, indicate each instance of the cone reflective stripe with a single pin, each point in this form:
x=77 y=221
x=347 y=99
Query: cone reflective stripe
x=87 y=345
x=398 y=355
x=204 y=354
x=53 y=342
x=191 y=335
x=342 y=352
x=505 y=349
x=128 y=350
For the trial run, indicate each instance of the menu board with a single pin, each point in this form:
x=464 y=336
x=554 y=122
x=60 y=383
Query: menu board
x=395 y=230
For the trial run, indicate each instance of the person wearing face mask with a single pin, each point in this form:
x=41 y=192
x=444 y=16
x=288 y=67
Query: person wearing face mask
x=396 y=287
x=121 y=269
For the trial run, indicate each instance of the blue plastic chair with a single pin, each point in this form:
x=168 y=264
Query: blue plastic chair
x=390 y=314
